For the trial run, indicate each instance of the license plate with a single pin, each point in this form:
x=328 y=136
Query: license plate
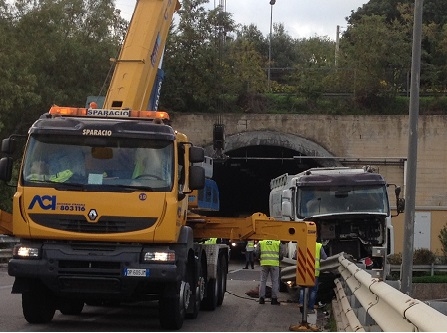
x=136 y=272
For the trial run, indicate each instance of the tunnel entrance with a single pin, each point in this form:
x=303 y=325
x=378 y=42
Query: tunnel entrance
x=252 y=159
x=244 y=177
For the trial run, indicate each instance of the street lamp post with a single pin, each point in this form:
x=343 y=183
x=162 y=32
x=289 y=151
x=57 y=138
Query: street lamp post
x=272 y=2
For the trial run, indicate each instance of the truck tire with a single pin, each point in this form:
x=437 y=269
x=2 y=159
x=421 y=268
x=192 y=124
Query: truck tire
x=210 y=301
x=195 y=280
x=222 y=270
x=71 y=307
x=171 y=309
x=38 y=305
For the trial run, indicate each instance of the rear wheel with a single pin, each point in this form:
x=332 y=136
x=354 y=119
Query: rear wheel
x=222 y=271
x=210 y=301
x=38 y=305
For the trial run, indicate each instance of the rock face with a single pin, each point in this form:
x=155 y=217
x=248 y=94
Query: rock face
x=429 y=291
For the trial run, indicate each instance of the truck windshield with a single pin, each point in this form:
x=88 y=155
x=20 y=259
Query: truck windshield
x=99 y=162
x=342 y=199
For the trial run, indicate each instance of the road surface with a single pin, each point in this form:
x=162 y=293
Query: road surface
x=239 y=312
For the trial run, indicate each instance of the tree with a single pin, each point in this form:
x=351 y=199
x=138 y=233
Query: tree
x=61 y=51
x=380 y=54
x=193 y=59
x=434 y=18
x=443 y=239
x=52 y=52
x=312 y=67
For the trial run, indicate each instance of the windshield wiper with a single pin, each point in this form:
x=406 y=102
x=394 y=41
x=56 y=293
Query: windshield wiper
x=134 y=187
x=67 y=186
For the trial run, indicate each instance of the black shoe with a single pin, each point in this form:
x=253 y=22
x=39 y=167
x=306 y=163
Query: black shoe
x=275 y=301
x=252 y=267
x=261 y=300
x=245 y=268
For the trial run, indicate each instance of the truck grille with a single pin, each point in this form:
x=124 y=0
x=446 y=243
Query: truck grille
x=94 y=285
x=91 y=268
x=106 y=224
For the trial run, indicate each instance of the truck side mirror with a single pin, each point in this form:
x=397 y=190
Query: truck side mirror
x=196 y=154
x=286 y=204
x=196 y=177
x=6 y=164
x=400 y=205
x=400 y=202
x=8 y=146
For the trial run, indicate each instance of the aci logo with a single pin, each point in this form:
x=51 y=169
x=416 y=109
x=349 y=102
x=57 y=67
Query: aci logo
x=45 y=202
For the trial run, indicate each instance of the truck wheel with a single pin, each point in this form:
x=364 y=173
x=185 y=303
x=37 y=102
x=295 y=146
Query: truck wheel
x=210 y=301
x=222 y=277
x=196 y=283
x=38 y=305
x=172 y=311
x=71 y=307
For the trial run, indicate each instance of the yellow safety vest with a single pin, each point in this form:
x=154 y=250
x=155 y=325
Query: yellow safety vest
x=62 y=176
x=269 y=250
x=211 y=241
x=59 y=177
x=250 y=245
x=317 y=258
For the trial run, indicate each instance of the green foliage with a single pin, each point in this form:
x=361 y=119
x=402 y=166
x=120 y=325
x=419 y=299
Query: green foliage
x=395 y=259
x=420 y=257
x=437 y=278
x=423 y=257
x=443 y=239
x=52 y=52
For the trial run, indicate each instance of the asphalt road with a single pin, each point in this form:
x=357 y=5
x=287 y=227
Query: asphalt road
x=239 y=312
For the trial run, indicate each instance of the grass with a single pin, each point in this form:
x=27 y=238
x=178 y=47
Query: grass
x=437 y=278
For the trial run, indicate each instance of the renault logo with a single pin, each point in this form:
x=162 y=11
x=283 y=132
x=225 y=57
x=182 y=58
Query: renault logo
x=92 y=214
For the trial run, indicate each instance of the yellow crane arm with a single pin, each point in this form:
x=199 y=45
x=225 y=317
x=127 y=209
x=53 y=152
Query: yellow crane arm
x=136 y=67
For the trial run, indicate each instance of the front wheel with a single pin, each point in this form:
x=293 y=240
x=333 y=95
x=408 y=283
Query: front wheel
x=171 y=308
x=195 y=279
x=38 y=305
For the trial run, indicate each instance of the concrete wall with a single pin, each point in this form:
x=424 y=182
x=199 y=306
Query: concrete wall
x=381 y=139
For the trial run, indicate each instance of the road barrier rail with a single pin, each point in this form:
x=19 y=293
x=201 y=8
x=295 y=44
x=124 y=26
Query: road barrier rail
x=432 y=268
x=376 y=304
x=6 y=245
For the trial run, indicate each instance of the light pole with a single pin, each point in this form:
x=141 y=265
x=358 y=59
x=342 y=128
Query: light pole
x=272 y=2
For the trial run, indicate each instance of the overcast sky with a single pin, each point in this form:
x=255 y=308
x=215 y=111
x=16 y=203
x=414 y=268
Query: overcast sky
x=301 y=18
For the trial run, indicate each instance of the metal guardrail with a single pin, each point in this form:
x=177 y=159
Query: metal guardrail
x=422 y=268
x=366 y=303
x=376 y=303
x=6 y=245
x=5 y=255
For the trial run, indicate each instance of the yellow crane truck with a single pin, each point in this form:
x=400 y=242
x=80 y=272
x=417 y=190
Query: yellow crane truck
x=101 y=207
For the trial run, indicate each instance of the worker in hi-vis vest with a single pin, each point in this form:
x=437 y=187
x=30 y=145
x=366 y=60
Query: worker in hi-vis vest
x=249 y=254
x=320 y=254
x=270 y=253
x=211 y=241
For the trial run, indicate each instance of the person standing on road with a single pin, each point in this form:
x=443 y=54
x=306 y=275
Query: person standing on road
x=269 y=252
x=249 y=254
x=320 y=254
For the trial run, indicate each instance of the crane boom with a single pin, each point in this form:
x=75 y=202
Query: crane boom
x=137 y=65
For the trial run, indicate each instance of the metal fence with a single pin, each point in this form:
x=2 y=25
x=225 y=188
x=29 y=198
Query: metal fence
x=6 y=245
x=432 y=269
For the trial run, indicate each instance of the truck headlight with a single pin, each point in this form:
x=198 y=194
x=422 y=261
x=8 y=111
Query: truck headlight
x=164 y=257
x=21 y=251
